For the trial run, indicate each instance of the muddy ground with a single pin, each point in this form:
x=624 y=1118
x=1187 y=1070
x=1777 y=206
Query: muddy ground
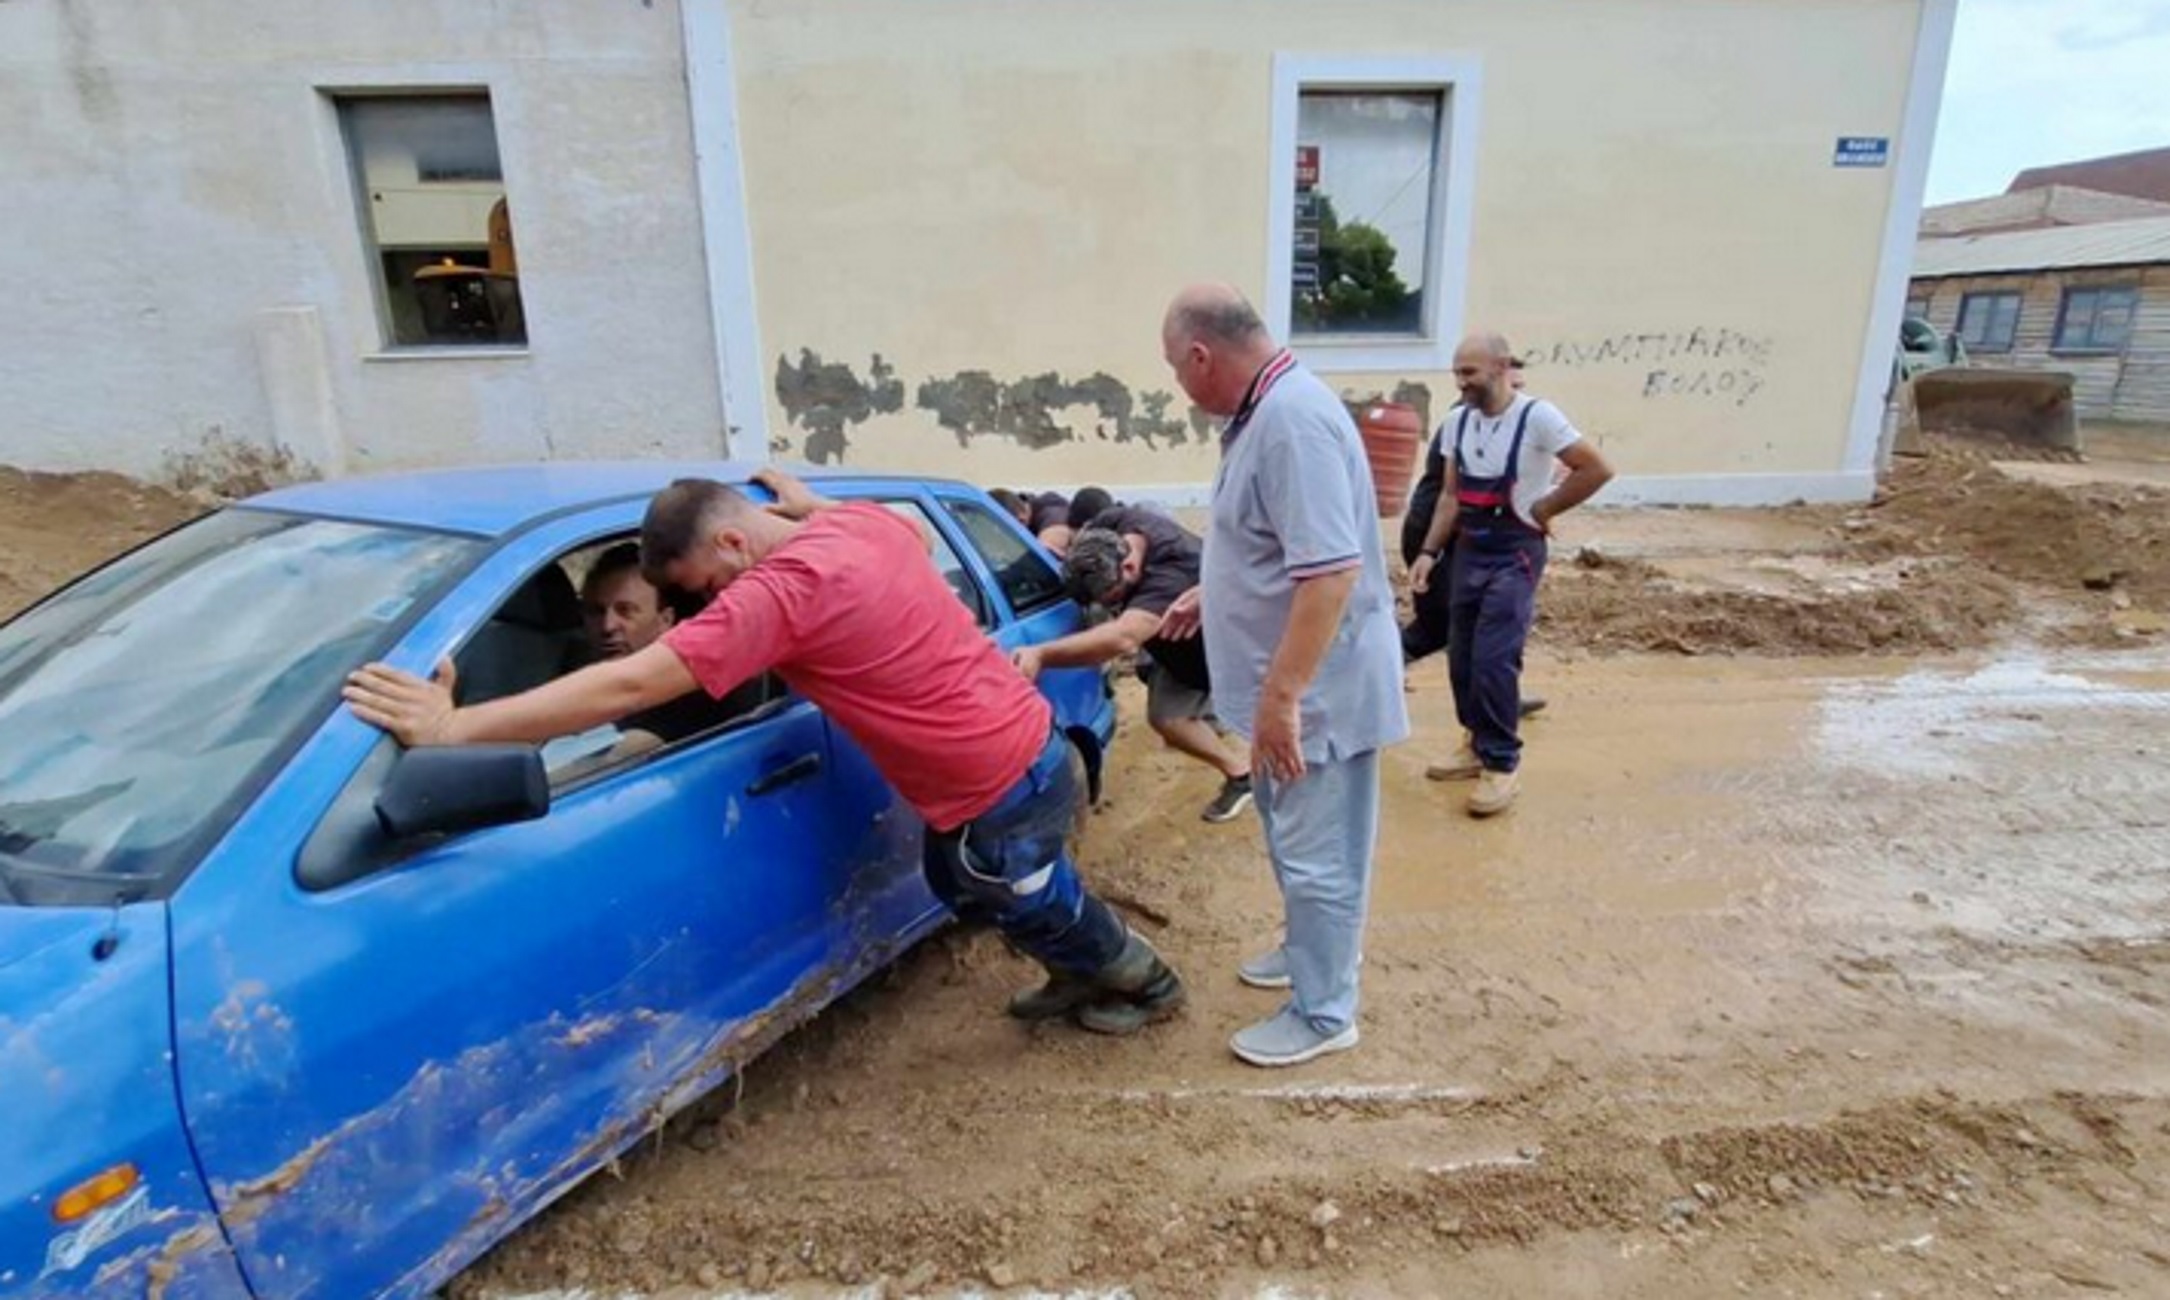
x=1828 y=954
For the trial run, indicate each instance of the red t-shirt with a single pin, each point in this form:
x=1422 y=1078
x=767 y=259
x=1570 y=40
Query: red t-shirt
x=851 y=613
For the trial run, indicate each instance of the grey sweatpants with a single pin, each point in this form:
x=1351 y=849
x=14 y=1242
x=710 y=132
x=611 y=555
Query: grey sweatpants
x=1320 y=833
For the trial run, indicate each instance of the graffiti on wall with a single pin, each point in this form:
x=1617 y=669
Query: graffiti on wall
x=1705 y=363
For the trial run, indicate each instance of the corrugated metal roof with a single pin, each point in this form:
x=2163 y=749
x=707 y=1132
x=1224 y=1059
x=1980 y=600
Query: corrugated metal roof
x=2112 y=243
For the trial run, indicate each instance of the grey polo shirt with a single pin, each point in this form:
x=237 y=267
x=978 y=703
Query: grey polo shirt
x=1293 y=500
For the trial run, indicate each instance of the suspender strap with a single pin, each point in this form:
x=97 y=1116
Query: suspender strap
x=1461 y=426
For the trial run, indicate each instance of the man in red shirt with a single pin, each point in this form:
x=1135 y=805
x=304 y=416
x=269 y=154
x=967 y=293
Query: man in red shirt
x=841 y=602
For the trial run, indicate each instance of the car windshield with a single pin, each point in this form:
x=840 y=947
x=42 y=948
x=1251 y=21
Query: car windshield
x=138 y=705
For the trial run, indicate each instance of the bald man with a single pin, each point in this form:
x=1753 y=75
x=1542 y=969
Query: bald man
x=1302 y=648
x=1500 y=446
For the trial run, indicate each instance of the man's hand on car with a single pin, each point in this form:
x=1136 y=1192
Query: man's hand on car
x=414 y=711
x=794 y=500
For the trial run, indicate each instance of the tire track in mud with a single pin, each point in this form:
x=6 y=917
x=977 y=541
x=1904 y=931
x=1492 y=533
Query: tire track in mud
x=1520 y=1101
x=1333 y=1219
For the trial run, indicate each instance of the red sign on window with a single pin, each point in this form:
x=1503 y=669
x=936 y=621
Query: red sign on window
x=1307 y=166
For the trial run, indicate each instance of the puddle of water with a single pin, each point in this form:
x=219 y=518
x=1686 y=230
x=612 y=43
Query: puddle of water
x=1943 y=722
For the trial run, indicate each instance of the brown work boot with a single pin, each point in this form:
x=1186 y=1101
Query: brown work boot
x=1134 y=990
x=1494 y=794
x=1464 y=766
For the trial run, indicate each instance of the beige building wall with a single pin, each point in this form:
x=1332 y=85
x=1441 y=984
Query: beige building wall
x=980 y=193
x=183 y=248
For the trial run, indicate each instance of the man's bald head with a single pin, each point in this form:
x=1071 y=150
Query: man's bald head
x=1215 y=342
x=1483 y=365
x=1215 y=314
x=1485 y=347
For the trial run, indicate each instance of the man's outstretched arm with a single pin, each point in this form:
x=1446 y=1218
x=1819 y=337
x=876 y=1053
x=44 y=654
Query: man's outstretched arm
x=421 y=712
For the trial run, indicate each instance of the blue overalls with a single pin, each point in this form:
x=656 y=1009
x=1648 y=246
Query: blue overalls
x=1491 y=601
x=1010 y=868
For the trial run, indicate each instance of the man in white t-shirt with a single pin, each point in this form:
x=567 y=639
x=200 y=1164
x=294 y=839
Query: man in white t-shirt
x=1500 y=447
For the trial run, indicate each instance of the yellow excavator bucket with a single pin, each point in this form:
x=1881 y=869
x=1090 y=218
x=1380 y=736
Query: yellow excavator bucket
x=2029 y=409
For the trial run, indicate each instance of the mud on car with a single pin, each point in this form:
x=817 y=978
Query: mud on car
x=288 y=1011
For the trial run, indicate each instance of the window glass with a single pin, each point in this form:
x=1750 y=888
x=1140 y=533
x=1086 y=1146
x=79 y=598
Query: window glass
x=139 y=704
x=1988 y=322
x=592 y=605
x=953 y=570
x=1027 y=580
x=436 y=220
x=2096 y=320
x=1365 y=176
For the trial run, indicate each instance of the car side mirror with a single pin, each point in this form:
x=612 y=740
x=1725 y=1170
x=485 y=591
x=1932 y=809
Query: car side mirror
x=445 y=789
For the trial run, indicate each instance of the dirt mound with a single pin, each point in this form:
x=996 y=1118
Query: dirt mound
x=1952 y=554
x=1612 y=604
x=2071 y=539
x=54 y=526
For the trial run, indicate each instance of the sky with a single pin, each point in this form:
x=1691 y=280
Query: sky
x=2034 y=82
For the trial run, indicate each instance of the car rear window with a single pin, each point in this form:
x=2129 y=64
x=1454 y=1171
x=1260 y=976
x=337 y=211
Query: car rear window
x=1027 y=580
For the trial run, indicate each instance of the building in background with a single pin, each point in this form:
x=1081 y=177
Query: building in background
x=2090 y=299
x=2036 y=209
x=2144 y=174
x=938 y=236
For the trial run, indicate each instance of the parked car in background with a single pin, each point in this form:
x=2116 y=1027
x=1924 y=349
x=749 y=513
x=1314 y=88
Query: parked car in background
x=287 y=1011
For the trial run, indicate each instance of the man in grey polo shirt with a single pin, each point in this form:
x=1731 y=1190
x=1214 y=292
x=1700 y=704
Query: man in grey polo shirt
x=1303 y=648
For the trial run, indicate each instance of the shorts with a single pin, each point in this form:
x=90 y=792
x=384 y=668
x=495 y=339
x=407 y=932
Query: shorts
x=1168 y=700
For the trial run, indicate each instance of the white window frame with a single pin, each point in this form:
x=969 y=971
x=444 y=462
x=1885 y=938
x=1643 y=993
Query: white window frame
x=450 y=81
x=1458 y=80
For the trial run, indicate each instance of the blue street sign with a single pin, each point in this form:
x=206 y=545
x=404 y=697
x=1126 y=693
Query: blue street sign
x=1862 y=151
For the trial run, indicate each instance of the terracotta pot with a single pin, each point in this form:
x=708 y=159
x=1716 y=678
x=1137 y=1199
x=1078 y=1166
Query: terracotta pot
x=1393 y=436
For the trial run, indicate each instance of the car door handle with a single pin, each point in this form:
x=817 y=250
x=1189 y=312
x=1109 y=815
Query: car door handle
x=798 y=769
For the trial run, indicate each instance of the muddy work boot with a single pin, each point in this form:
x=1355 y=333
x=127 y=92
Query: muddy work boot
x=1059 y=996
x=1133 y=991
x=1494 y=794
x=1464 y=766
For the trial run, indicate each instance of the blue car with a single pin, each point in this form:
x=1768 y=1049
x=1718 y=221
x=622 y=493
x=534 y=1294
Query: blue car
x=287 y=1011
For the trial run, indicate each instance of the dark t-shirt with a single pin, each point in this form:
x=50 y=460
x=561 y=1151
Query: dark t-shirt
x=1171 y=568
x=694 y=712
x=1047 y=510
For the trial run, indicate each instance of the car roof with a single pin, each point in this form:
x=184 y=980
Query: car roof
x=492 y=501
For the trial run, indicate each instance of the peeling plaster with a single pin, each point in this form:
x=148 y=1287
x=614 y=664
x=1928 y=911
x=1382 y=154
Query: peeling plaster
x=1410 y=393
x=825 y=398
x=973 y=403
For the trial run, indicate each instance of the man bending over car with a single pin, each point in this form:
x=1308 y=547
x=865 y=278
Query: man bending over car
x=841 y=602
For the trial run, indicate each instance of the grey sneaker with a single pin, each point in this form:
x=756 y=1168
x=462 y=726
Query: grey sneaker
x=1532 y=705
x=1285 y=1038
x=1266 y=971
x=1235 y=796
